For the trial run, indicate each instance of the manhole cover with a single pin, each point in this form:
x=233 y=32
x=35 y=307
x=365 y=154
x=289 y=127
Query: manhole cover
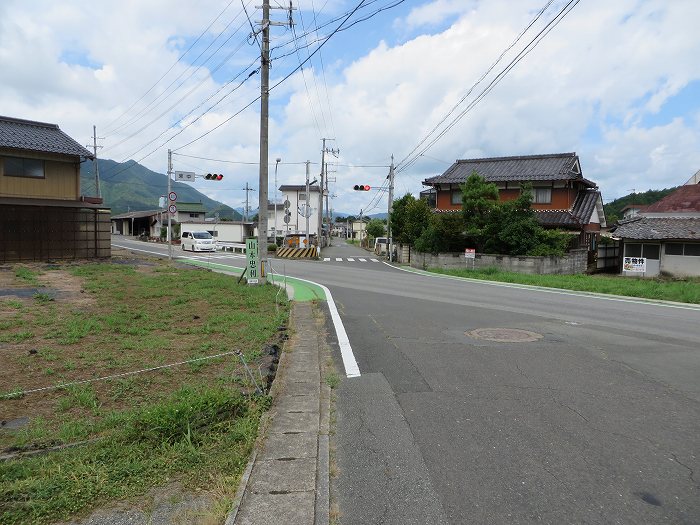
x=504 y=335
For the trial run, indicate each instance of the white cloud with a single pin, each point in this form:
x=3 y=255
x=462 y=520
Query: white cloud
x=588 y=87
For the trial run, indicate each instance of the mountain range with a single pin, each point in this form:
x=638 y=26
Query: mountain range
x=129 y=186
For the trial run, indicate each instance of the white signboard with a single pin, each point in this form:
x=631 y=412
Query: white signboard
x=470 y=253
x=634 y=264
x=185 y=176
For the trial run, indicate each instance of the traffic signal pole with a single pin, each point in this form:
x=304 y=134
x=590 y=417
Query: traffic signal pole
x=264 y=114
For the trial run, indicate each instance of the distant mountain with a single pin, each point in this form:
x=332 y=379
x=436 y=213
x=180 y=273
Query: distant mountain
x=129 y=186
x=613 y=209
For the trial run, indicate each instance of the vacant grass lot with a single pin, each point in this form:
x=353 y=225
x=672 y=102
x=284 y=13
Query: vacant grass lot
x=195 y=422
x=680 y=290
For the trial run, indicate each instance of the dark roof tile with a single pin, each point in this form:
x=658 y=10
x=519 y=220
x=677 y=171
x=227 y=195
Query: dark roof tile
x=659 y=228
x=524 y=168
x=38 y=136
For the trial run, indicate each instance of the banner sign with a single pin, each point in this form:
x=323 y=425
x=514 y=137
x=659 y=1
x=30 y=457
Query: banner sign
x=251 y=250
x=634 y=264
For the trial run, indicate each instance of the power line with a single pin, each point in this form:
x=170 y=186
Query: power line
x=523 y=53
x=171 y=67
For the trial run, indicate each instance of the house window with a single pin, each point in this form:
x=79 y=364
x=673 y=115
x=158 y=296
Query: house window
x=674 y=248
x=692 y=250
x=651 y=251
x=542 y=195
x=633 y=250
x=20 y=167
x=689 y=250
x=302 y=196
x=194 y=215
x=456 y=197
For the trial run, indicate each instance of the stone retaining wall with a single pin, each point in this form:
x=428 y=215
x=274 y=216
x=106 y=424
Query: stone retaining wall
x=574 y=262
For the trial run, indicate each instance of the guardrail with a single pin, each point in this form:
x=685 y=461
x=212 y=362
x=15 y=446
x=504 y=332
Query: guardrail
x=225 y=246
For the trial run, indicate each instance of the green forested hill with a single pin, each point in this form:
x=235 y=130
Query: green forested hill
x=613 y=209
x=129 y=186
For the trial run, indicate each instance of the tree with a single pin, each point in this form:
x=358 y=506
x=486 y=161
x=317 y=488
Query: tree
x=409 y=218
x=443 y=234
x=375 y=228
x=479 y=200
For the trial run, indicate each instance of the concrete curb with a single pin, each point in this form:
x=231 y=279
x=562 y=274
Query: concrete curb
x=287 y=477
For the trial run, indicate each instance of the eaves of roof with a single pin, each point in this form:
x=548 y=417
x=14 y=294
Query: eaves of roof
x=659 y=228
x=29 y=135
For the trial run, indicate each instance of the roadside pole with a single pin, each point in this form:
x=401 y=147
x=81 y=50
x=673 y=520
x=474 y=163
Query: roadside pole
x=306 y=209
x=170 y=236
x=390 y=240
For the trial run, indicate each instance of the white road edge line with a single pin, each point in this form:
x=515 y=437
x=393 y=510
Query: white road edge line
x=349 y=361
x=556 y=291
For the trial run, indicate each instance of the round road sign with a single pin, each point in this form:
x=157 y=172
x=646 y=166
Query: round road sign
x=172 y=208
x=172 y=196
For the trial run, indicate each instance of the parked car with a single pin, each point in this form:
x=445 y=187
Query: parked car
x=381 y=245
x=198 y=241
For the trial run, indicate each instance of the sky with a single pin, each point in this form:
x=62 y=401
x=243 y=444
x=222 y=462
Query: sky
x=427 y=81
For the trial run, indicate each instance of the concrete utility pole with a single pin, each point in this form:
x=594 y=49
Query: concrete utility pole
x=97 y=167
x=277 y=161
x=170 y=236
x=264 y=112
x=306 y=210
x=324 y=188
x=390 y=241
x=247 y=207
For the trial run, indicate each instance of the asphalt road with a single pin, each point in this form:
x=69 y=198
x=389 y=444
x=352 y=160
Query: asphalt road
x=596 y=420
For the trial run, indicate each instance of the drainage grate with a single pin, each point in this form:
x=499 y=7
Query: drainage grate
x=504 y=335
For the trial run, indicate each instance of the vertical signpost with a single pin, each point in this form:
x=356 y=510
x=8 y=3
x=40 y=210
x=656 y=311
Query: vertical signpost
x=470 y=253
x=251 y=249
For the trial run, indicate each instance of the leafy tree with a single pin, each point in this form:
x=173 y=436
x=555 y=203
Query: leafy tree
x=375 y=228
x=443 y=234
x=409 y=217
x=479 y=200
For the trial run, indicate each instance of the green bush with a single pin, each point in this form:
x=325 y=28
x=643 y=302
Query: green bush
x=272 y=247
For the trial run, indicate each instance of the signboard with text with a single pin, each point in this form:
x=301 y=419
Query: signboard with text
x=634 y=264
x=251 y=250
x=470 y=253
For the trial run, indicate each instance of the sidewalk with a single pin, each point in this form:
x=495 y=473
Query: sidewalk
x=286 y=480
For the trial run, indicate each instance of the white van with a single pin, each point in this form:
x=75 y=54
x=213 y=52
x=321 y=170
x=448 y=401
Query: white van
x=198 y=241
x=381 y=245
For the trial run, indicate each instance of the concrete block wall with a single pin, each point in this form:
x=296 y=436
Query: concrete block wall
x=574 y=262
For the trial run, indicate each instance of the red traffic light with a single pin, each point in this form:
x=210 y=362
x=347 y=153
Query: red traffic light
x=361 y=187
x=213 y=176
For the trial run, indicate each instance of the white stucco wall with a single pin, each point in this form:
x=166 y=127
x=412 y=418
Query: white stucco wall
x=681 y=265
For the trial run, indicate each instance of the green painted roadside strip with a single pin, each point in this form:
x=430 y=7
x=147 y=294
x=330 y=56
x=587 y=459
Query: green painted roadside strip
x=303 y=291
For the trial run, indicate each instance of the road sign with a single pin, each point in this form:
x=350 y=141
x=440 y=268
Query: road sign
x=251 y=250
x=172 y=209
x=470 y=253
x=305 y=210
x=186 y=176
x=172 y=196
x=287 y=204
x=286 y=219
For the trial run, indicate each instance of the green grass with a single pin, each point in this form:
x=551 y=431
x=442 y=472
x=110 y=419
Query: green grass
x=189 y=436
x=683 y=291
x=27 y=275
x=186 y=423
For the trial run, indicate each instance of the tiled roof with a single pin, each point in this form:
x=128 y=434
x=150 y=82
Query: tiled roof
x=659 y=228
x=190 y=207
x=38 y=136
x=585 y=204
x=557 y=218
x=524 y=168
x=684 y=199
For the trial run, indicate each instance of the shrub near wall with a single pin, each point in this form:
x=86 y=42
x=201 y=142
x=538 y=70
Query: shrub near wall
x=572 y=263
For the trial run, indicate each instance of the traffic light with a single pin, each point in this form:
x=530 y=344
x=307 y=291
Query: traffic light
x=213 y=176
x=361 y=187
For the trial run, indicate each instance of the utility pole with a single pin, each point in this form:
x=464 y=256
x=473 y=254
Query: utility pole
x=324 y=189
x=306 y=210
x=97 y=167
x=264 y=112
x=390 y=241
x=277 y=161
x=170 y=237
x=247 y=206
